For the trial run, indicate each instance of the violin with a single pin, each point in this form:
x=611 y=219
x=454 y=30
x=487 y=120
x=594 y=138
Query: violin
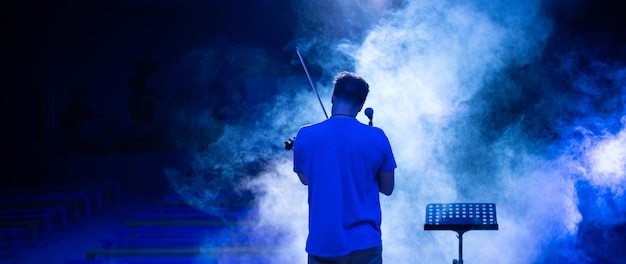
x=369 y=112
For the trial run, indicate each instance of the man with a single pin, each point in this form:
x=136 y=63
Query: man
x=345 y=164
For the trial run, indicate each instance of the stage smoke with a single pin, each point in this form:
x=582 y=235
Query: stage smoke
x=481 y=103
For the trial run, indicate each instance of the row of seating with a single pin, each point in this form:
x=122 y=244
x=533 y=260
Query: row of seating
x=27 y=211
x=172 y=231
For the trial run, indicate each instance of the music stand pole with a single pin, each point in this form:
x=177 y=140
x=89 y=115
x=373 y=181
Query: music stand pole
x=460 y=236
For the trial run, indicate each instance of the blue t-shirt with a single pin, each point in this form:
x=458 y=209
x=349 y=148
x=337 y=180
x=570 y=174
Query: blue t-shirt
x=340 y=158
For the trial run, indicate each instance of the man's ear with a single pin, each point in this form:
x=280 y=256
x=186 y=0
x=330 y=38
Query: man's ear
x=361 y=107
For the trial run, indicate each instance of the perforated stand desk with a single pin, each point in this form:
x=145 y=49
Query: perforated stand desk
x=461 y=217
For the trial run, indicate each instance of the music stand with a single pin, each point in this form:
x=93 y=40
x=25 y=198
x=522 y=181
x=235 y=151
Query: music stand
x=461 y=217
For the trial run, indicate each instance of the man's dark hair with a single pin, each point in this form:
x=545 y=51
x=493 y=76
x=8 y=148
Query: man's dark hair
x=351 y=87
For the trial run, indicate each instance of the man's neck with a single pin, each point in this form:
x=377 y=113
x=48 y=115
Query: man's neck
x=343 y=109
x=342 y=115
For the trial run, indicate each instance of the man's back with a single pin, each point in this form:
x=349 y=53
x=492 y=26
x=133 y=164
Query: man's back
x=340 y=158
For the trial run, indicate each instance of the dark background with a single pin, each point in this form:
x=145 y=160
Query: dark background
x=69 y=73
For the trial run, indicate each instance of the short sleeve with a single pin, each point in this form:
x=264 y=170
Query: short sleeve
x=389 y=162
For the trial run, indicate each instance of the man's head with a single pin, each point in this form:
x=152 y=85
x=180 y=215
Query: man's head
x=350 y=88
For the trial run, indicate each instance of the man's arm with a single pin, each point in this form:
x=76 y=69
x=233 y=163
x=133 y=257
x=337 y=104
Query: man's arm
x=302 y=178
x=386 y=182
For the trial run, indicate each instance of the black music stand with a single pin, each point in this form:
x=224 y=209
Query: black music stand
x=461 y=217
